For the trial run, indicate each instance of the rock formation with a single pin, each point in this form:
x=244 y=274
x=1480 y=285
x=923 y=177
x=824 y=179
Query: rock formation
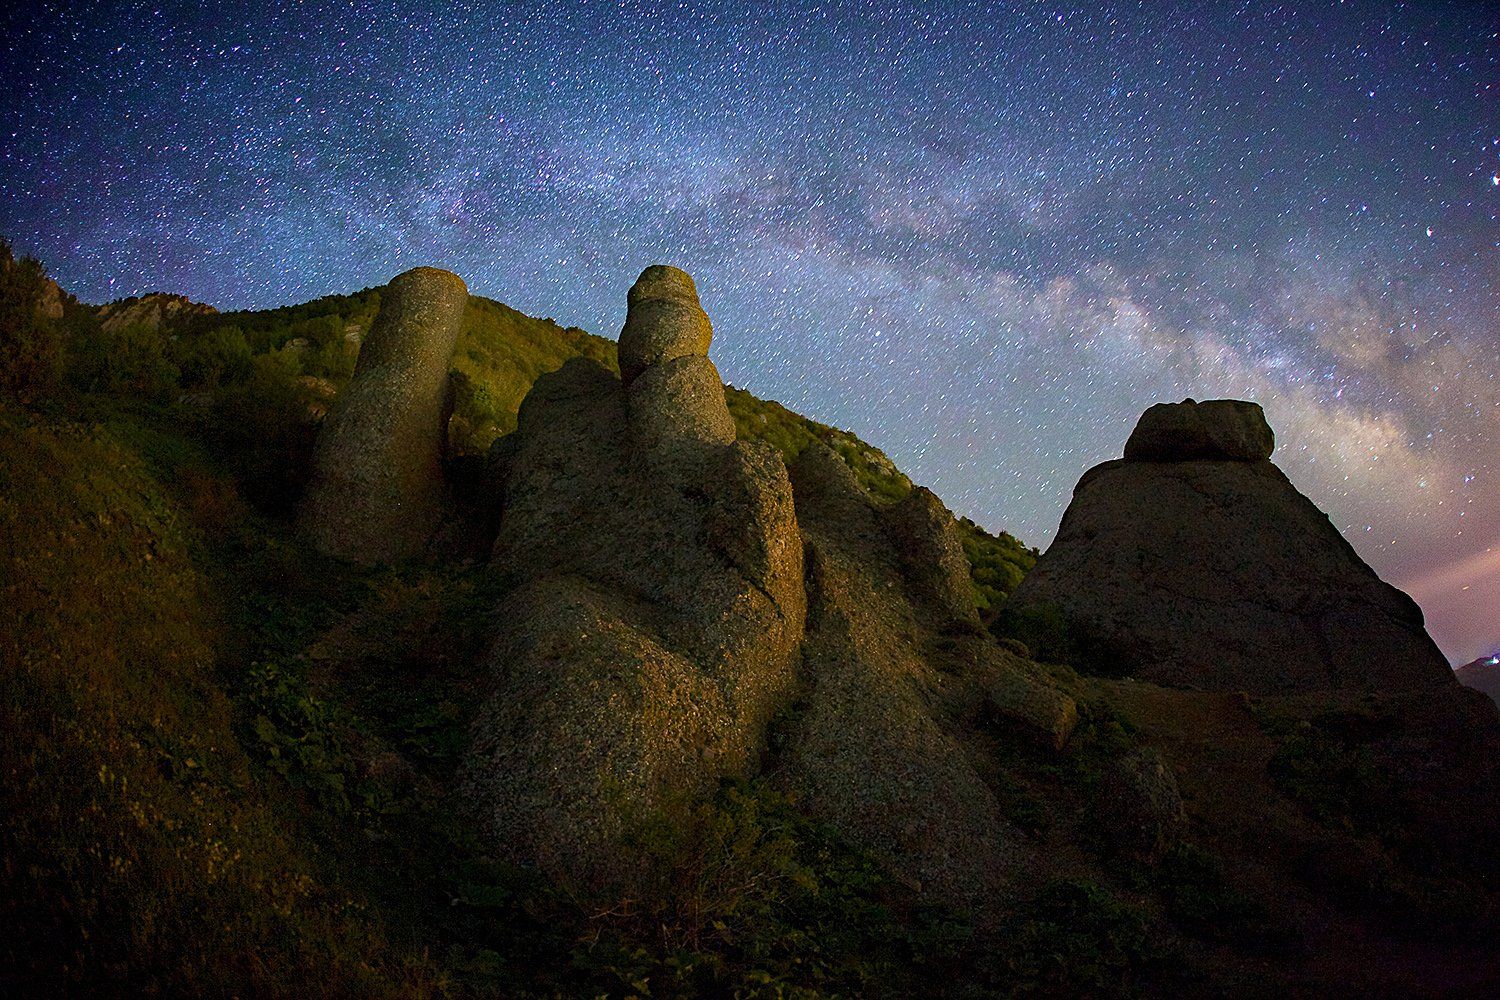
x=155 y=311
x=376 y=485
x=660 y=611
x=1194 y=561
x=658 y=602
x=876 y=751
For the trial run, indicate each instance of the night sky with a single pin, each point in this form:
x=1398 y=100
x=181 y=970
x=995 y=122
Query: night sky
x=982 y=237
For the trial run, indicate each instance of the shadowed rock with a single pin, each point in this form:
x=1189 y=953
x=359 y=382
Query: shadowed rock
x=659 y=581
x=873 y=752
x=1482 y=675
x=1140 y=806
x=1231 y=429
x=1044 y=714
x=376 y=484
x=926 y=537
x=1203 y=566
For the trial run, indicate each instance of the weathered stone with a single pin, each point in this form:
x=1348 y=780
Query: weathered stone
x=1218 y=574
x=1140 y=806
x=663 y=321
x=376 y=484
x=871 y=753
x=595 y=724
x=926 y=538
x=1045 y=714
x=676 y=405
x=1232 y=429
x=158 y=311
x=659 y=568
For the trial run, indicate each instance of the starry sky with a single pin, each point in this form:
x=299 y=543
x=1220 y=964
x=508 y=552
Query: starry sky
x=982 y=236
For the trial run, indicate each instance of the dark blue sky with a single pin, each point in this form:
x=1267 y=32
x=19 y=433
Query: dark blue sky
x=982 y=236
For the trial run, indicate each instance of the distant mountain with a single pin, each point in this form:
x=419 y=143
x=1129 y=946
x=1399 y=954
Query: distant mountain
x=1482 y=675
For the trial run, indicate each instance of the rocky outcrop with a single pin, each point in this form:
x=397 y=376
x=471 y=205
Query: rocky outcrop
x=664 y=322
x=658 y=603
x=1229 y=429
x=376 y=487
x=875 y=752
x=1031 y=706
x=1194 y=561
x=926 y=540
x=156 y=311
x=1482 y=675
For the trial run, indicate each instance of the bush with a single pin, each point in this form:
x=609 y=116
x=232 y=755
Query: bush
x=1078 y=939
x=212 y=358
x=126 y=361
x=31 y=345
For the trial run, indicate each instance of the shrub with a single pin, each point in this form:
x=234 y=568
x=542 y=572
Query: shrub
x=126 y=361
x=214 y=357
x=31 y=345
x=1078 y=939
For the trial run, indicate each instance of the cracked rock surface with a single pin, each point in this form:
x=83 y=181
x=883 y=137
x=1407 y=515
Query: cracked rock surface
x=659 y=602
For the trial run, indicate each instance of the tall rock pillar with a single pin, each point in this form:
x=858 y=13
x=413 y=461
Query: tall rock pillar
x=376 y=488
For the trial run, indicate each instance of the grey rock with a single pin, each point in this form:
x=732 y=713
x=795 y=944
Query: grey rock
x=677 y=405
x=376 y=487
x=1233 y=429
x=1219 y=574
x=1043 y=713
x=874 y=754
x=663 y=321
x=658 y=611
x=925 y=535
x=1140 y=806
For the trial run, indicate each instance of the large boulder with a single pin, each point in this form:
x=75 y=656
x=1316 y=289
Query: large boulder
x=658 y=604
x=1232 y=429
x=1195 y=562
x=376 y=487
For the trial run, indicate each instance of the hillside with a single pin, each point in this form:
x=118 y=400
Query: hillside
x=302 y=355
x=689 y=696
x=1482 y=674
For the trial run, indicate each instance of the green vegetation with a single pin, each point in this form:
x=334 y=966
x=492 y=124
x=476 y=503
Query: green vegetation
x=1078 y=939
x=239 y=757
x=996 y=563
x=791 y=433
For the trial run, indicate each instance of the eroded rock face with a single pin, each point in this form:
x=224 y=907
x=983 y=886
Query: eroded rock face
x=156 y=310
x=664 y=321
x=1231 y=429
x=875 y=752
x=926 y=539
x=659 y=571
x=376 y=486
x=1201 y=565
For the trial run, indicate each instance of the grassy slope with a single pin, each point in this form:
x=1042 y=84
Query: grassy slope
x=216 y=739
x=134 y=820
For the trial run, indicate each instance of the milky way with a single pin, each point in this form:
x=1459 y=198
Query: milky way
x=982 y=237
